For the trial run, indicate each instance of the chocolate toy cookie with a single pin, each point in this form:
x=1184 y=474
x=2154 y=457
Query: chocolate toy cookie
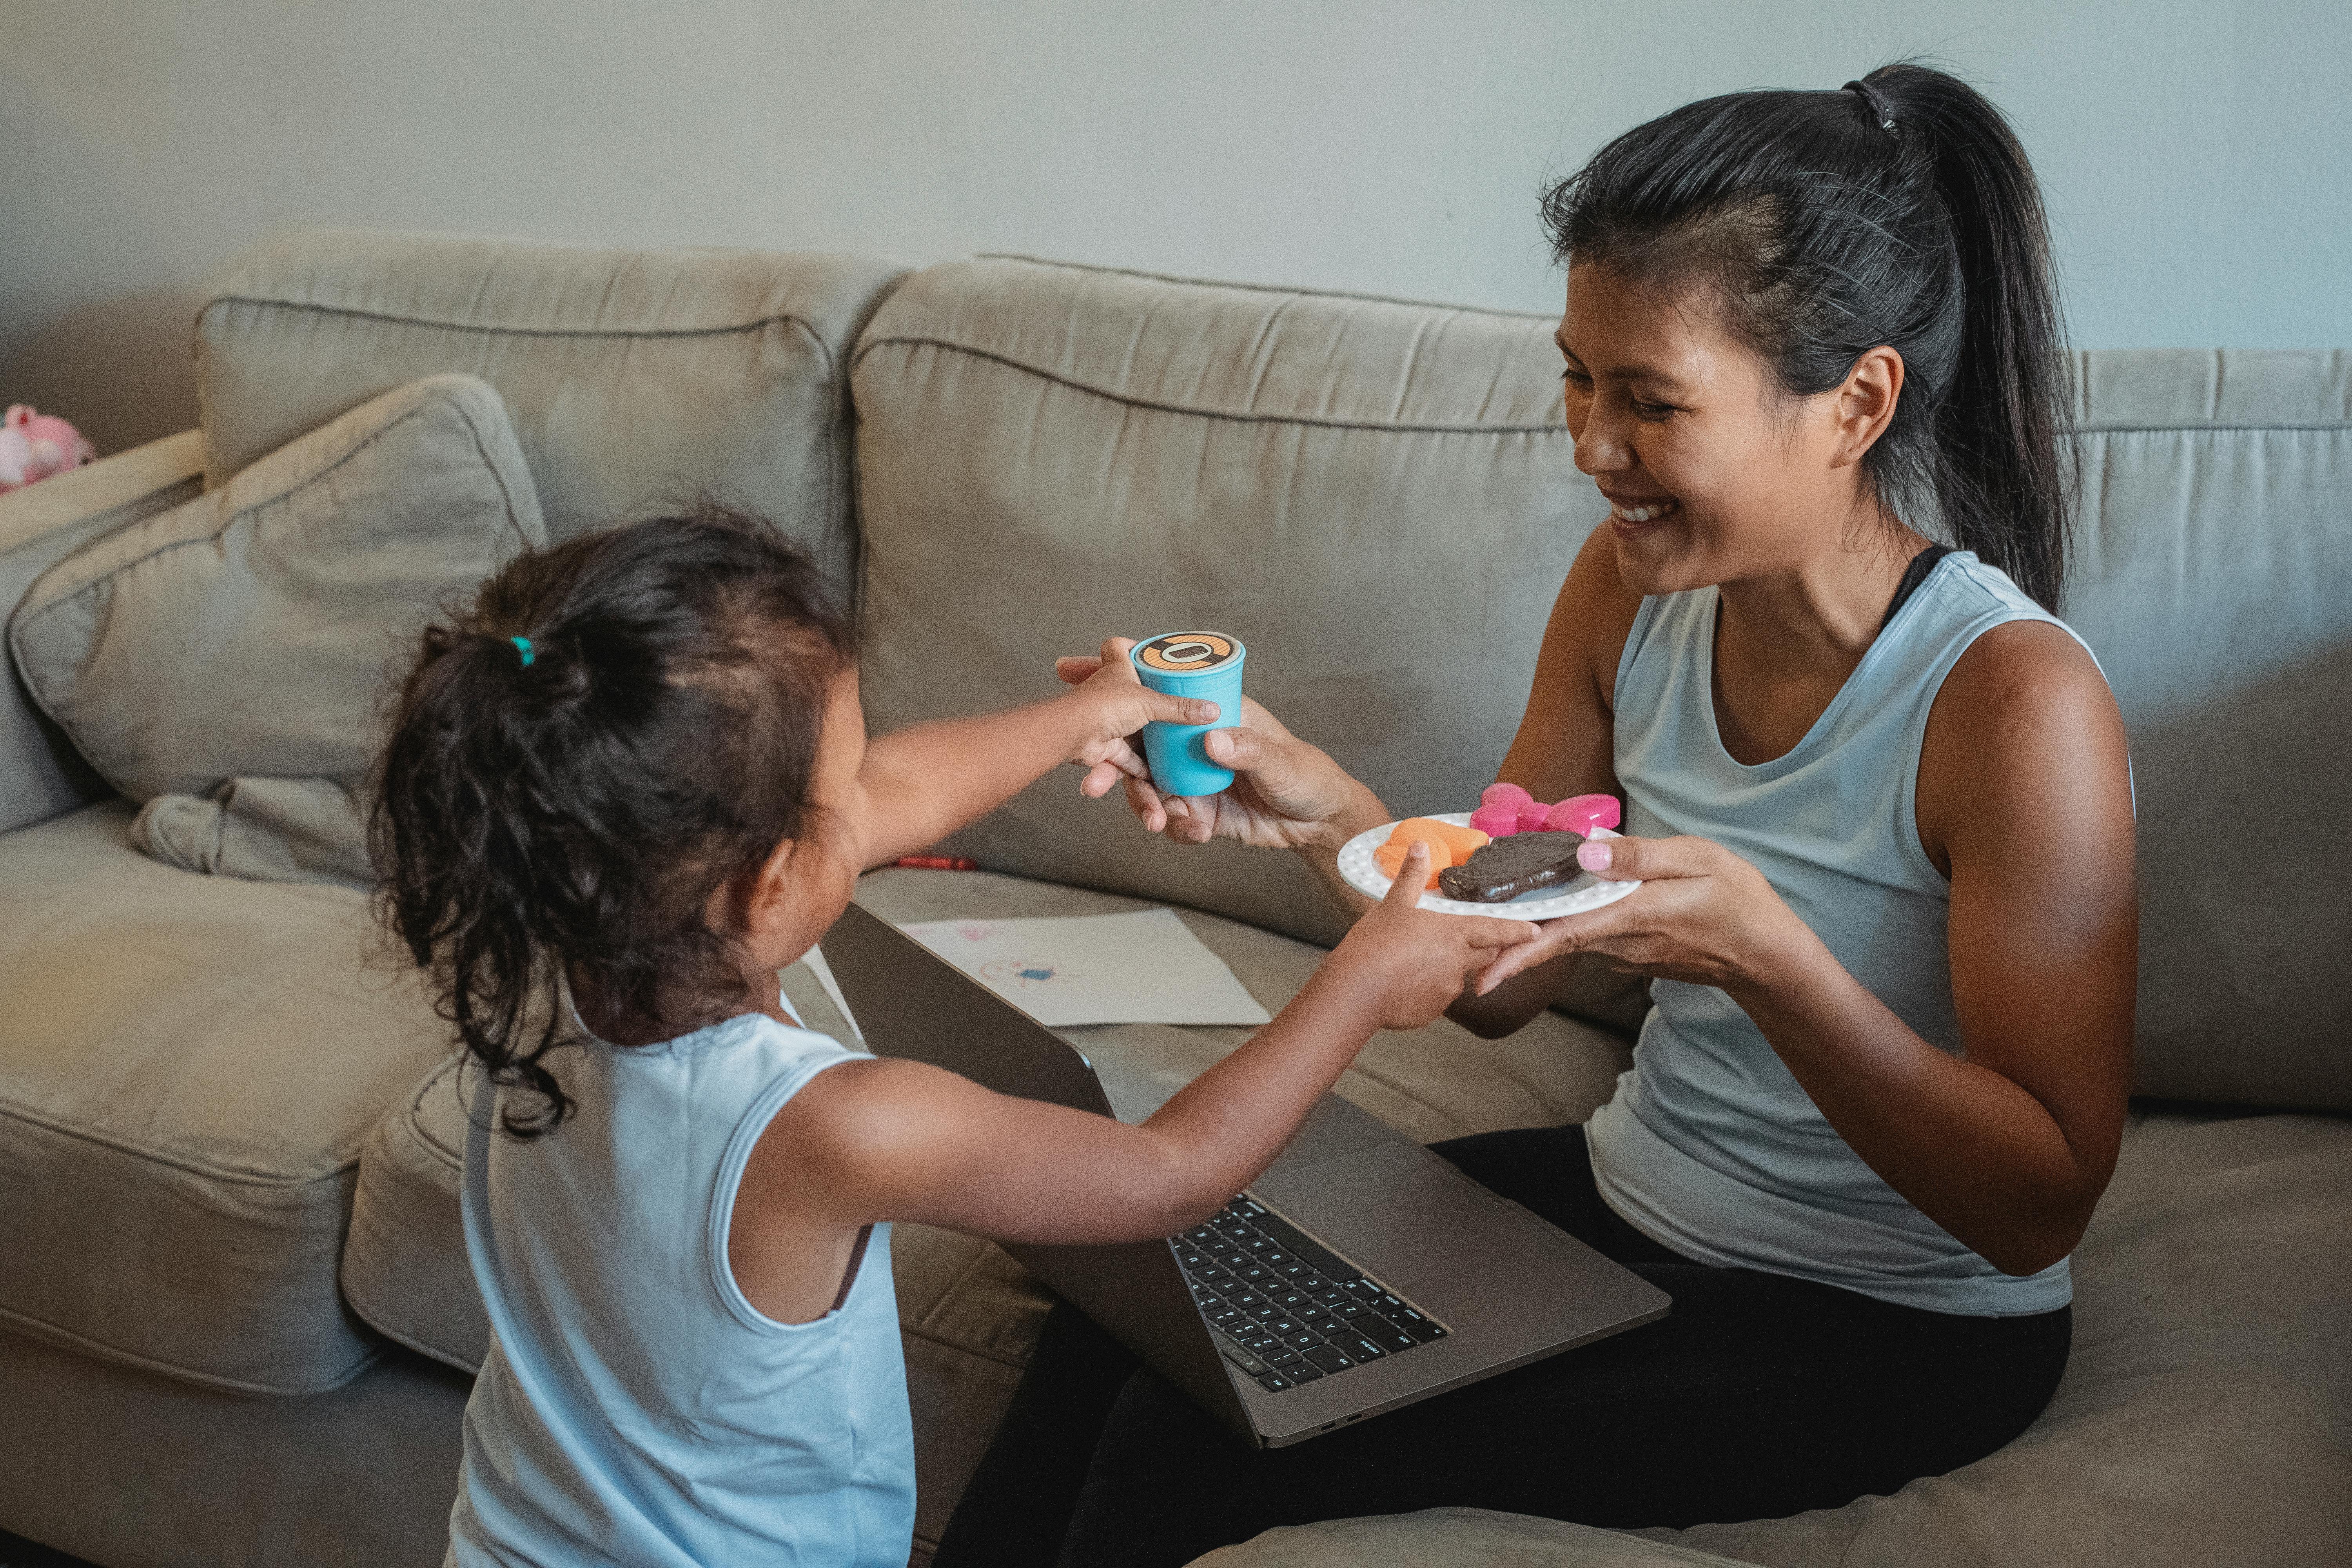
x=1510 y=867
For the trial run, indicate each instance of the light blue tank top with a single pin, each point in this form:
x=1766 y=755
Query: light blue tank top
x=635 y=1407
x=1709 y=1145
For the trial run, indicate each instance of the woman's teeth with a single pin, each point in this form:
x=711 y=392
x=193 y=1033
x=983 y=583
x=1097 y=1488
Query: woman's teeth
x=1640 y=513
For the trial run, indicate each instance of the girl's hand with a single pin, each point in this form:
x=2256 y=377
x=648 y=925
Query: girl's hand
x=1413 y=962
x=1286 y=793
x=1701 y=915
x=1113 y=707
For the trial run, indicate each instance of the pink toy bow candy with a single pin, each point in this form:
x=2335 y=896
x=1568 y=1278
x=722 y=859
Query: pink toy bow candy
x=34 y=445
x=1505 y=808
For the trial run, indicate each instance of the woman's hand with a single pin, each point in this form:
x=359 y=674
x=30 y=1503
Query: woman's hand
x=1701 y=915
x=1286 y=793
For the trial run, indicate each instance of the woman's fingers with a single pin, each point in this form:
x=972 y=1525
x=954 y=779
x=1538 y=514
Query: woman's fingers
x=1647 y=860
x=1075 y=670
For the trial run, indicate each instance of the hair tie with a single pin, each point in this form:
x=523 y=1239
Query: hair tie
x=522 y=646
x=1876 y=105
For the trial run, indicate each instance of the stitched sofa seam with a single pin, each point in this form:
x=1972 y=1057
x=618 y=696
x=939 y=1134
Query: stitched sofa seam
x=42 y=1329
x=2257 y=427
x=406 y=1340
x=756 y=324
x=1239 y=417
x=181 y=1161
x=1293 y=292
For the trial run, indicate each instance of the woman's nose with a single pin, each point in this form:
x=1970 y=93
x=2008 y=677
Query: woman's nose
x=1600 y=444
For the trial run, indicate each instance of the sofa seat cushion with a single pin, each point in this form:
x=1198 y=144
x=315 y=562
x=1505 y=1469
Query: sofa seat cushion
x=2206 y=1416
x=968 y=1313
x=189 y=1069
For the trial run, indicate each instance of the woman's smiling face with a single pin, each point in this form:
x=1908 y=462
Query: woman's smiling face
x=1711 y=474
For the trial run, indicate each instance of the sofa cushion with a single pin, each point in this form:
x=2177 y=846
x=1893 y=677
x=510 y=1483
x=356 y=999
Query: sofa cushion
x=245 y=635
x=628 y=373
x=2216 y=587
x=1379 y=499
x=968 y=1313
x=1456 y=1535
x=2206 y=1416
x=189 y=1069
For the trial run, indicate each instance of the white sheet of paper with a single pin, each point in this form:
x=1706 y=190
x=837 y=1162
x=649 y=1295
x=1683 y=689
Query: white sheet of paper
x=1143 y=967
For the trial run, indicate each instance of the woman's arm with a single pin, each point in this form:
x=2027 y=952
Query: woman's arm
x=2024 y=796
x=866 y=1142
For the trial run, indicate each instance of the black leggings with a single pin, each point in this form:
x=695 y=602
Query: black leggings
x=1756 y=1397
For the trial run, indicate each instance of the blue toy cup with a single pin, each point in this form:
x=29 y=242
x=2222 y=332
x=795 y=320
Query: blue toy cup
x=1206 y=665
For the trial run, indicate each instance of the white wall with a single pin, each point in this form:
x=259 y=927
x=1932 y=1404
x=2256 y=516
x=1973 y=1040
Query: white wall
x=2197 y=154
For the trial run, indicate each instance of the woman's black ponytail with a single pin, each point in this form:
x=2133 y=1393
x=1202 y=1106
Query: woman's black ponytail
x=580 y=758
x=1898 y=211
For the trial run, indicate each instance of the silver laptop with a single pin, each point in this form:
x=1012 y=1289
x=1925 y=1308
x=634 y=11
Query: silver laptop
x=1358 y=1273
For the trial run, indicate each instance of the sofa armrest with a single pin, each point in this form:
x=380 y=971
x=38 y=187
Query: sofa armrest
x=41 y=776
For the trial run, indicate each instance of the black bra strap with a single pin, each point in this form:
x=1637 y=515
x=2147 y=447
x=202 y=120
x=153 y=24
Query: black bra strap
x=1913 y=575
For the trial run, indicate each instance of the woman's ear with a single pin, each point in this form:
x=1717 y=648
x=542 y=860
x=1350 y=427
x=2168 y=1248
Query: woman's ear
x=1865 y=404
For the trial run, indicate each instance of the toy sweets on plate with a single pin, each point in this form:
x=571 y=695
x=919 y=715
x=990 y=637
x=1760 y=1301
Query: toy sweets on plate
x=34 y=445
x=1514 y=850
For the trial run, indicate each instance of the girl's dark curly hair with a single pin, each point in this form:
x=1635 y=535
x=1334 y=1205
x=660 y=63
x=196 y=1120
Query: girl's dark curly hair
x=580 y=805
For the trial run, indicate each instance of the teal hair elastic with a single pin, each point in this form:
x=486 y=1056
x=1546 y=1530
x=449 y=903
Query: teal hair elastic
x=522 y=646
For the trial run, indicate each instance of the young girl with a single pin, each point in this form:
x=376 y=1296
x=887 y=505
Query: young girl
x=1880 y=806
x=624 y=789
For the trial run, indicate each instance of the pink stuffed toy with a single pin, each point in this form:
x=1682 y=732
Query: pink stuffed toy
x=34 y=445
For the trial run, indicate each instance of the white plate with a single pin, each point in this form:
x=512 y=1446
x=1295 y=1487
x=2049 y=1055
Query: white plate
x=1586 y=892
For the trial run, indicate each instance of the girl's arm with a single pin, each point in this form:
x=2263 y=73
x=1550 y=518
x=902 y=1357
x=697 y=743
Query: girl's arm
x=889 y=1139
x=2024 y=800
x=922 y=782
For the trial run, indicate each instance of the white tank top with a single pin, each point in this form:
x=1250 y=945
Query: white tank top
x=1709 y=1146
x=635 y=1408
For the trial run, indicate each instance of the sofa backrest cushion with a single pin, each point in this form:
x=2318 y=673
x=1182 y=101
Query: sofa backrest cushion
x=630 y=374
x=2215 y=584
x=247 y=634
x=1378 y=497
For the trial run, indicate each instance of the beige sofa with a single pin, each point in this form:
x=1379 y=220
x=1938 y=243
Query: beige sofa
x=235 y=1325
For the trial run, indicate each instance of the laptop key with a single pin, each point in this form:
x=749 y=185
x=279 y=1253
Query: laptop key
x=1303 y=1340
x=1282 y=1355
x=1273 y=1382
x=1383 y=1332
x=1253 y=1341
x=1330 y=1358
x=1420 y=1328
x=1357 y=1346
x=1227 y=1317
x=1302 y=1372
x=1244 y=1360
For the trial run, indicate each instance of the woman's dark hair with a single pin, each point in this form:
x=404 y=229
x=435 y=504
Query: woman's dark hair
x=1900 y=210
x=609 y=732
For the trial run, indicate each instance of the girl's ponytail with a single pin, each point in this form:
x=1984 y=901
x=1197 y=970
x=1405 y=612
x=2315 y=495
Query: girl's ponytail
x=2003 y=483
x=1901 y=211
x=611 y=731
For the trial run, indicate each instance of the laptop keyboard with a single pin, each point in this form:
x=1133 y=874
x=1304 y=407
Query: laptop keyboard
x=1286 y=1311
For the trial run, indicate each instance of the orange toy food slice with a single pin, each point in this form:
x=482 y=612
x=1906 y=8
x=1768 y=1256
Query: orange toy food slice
x=1448 y=845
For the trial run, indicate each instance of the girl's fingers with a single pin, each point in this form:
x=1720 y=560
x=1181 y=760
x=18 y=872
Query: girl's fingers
x=1145 y=802
x=1485 y=931
x=1411 y=878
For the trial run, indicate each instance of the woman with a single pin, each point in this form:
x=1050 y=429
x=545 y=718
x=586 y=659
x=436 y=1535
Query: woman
x=1879 y=803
